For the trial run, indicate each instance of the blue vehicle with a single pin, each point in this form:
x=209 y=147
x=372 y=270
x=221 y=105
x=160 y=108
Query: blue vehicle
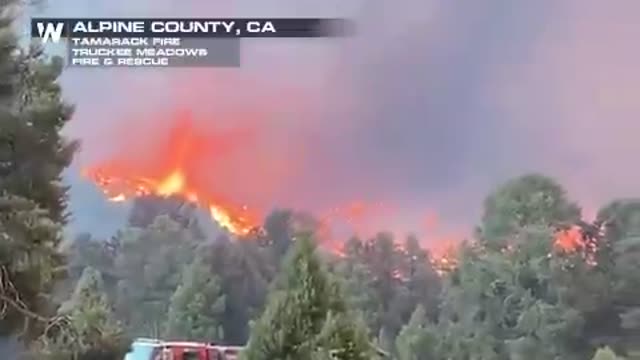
x=143 y=349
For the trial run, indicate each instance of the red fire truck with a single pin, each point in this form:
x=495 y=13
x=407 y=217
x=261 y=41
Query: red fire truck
x=195 y=351
x=149 y=349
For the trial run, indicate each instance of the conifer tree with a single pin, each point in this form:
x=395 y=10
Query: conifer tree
x=197 y=306
x=86 y=329
x=306 y=316
x=33 y=154
x=416 y=340
x=605 y=353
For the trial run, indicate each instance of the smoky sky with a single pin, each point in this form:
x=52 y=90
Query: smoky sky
x=430 y=106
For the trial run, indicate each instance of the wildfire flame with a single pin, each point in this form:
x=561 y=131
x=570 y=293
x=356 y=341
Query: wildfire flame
x=179 y=166
x=574 y=241
x=569 y=240
x=172 y=172
x=237 y=220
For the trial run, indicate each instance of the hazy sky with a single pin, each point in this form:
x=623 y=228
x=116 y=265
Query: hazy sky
x=432 y=105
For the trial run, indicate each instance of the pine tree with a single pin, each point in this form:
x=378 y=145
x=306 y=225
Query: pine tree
x=87 y=329
x=149 y=268
x=529 y=200
x=197 y=306
x=416 y=340
x=343 y=339
x=245 y=271
x=621 y=243
x=306 y=316
x=33 y=155
x=605 y=354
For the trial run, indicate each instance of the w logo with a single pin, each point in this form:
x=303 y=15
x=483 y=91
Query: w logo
x=50 y=30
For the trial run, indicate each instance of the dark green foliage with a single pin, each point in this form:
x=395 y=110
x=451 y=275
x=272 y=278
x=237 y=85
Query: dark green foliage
x=142 y=268
x=621 y=270
x=86 y=328
x=502 y=306
x=418 y=339
x=197 y=306
x=279 y=232
x=307 y=317
x=510 y=296
x=386 y=282
x=149 y=267
x=344 y=338
x=513 y=295
x=530 y=200
x=145 y=210
x=245 y=270
x=33 y=155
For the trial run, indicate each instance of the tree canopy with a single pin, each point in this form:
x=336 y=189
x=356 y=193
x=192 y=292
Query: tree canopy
x=33 y=200
x=307 y=317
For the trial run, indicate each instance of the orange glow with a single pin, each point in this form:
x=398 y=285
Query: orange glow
x=569 y=240
x=172 y=169
x=172 y=185
x=444 y=256
x=363 y=221
x=572 y=240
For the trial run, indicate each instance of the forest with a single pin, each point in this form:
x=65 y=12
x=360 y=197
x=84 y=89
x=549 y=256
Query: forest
x=536 y=281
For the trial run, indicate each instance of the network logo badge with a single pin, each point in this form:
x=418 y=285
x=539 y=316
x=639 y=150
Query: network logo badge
x=50 y=31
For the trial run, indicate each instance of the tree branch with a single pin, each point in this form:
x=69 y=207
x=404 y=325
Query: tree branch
x=11 y=297
x=16 y=304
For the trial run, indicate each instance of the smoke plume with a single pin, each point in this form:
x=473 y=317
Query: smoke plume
x=427 y=109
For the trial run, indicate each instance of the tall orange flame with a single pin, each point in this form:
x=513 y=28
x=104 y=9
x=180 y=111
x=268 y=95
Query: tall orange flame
x=236 y=219
x=171 y=172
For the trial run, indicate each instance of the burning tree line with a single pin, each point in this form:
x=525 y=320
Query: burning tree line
x=518 y=289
